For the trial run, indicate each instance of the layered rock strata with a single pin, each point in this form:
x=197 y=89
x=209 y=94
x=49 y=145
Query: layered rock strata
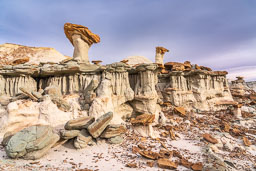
x=198 y=89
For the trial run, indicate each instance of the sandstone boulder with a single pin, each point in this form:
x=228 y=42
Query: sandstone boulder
x=69 y=134
x=82 y=140
x=31 y=143
x=113 y=130
x=96 y=128
x=79 y=123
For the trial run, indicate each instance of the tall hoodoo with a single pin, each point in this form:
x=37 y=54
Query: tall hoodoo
x=82 y=39
x=160 y=51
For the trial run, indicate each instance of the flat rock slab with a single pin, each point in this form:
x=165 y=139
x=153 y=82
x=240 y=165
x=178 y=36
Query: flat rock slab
x=79 y=123
x=33 y=142
x=166 y=164
x=69 y=134
x=113 y=131
x=96 y=128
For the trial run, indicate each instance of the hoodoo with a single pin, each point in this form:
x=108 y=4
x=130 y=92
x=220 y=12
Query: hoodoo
x=82 y=39
x=159 y=58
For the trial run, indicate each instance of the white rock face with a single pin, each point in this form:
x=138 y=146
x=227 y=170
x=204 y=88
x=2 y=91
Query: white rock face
x=11 y=52
x=70 y=83
x=113 y=92
x=134 y=60
x=23 y=113
x=146 y=96
x=198 y=91
x=10 y=85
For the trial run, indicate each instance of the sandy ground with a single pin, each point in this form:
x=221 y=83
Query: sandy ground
x=102 y=156
x=189 y=144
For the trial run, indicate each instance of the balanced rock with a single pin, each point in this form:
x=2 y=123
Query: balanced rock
x=31 y=143
x=82 y=140
x=81 y=38
x=96 y=128
x=79 y=123
x=69 y=134
x=113 y=130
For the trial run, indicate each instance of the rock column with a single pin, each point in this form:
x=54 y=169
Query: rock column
x=160 y=51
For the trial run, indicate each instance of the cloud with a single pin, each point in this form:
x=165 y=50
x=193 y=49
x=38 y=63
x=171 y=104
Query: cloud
x=248 y=72
x=219 y=34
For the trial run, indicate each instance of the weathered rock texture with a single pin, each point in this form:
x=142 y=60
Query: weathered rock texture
x=53 y=93
x=143 y=82
x=203 y=90
x=10 y=85
x=81 y=38
x=113 y=92
x=252 y=85
x=31 y=143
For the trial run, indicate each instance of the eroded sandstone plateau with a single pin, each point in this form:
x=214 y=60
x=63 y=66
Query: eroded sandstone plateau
x=134 y=102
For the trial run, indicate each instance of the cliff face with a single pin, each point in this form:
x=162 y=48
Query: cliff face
x=78 y=89
x=202 y=90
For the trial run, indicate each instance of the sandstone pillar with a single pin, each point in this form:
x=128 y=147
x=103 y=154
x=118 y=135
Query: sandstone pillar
x=159 y=58
x=81 y=49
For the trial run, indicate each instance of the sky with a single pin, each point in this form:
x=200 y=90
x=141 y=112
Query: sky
x=220 y=34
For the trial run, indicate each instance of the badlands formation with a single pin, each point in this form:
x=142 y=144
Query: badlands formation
x=70 y=114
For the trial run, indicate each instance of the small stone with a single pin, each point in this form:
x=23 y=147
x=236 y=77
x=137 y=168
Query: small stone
x=150 y=163
x=113 y=130
x=149 y=154
x=180 y=110
x=27 y=93
x=96 y=128
x=166 y=164
x=81 y=141
x=116 y=140
x=31 y=143
x=246 y=141
x=210 y=138
x=226 y=127
x=185 y=163
x=61 y=104
x=131 y=165
x=143 y=119
x=79 y=123
x=69 y=134
x=197 y=167
x=37 y=94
